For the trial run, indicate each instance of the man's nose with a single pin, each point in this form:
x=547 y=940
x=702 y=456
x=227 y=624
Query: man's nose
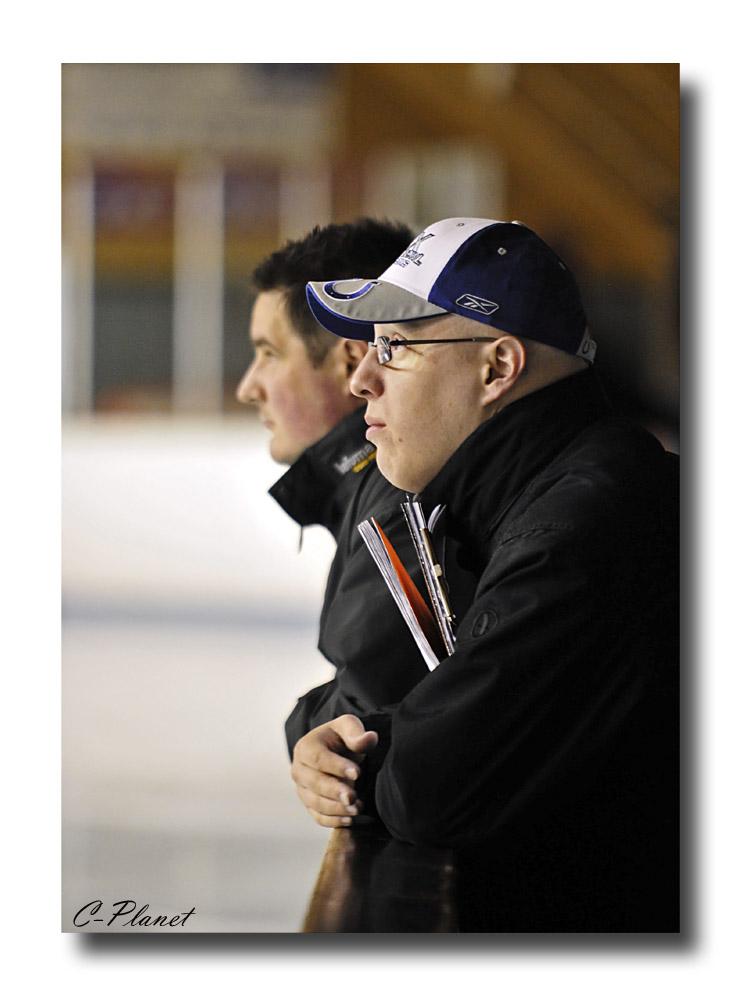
x=366 y=380
x=249 y=389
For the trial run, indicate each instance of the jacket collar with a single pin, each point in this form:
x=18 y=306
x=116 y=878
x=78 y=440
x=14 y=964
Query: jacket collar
x=495 y=463
x=317 y=487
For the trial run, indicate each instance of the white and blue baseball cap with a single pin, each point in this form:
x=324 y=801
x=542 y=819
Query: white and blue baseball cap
x=501 y=274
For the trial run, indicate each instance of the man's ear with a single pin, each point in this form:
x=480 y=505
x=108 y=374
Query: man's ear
x=351 y=353
x=503 y=364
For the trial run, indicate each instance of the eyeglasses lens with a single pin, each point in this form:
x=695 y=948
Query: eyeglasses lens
x=384 y=350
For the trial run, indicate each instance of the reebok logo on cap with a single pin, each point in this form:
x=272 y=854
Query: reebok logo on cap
x=475 y=304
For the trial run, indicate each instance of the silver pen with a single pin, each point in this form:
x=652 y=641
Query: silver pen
x=431 y=570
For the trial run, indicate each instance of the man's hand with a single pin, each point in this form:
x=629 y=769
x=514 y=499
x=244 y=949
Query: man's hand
x=325 y=768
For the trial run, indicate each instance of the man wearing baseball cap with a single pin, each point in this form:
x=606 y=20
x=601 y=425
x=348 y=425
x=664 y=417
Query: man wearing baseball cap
x=545 y=747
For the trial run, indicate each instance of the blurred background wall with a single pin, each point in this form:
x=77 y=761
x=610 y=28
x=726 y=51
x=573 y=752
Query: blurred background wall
x=189 y=616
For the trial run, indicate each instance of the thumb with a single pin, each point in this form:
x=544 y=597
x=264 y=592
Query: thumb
x=368 y=741
x=354 y=734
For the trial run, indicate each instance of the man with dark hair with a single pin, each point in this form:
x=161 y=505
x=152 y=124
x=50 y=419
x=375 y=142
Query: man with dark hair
x=300 y=373
x=299 y=380
x=544 y=748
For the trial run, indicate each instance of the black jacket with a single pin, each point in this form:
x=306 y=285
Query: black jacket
x=336 y=483
x=545 y=749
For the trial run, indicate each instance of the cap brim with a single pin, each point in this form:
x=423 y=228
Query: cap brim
x=350 y=308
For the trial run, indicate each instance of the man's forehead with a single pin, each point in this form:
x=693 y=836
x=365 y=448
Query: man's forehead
x=270 y=317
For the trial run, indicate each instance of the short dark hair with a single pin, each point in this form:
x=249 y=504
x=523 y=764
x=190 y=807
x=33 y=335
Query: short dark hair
x=361 y=249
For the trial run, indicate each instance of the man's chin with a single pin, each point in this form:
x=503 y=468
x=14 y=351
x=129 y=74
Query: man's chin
x=282 y=453
x=392 y=474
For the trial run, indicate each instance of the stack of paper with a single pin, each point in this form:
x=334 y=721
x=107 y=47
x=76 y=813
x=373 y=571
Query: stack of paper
x=433 y=633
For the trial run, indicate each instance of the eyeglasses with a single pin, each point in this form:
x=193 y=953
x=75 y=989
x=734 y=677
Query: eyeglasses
x=383 y=345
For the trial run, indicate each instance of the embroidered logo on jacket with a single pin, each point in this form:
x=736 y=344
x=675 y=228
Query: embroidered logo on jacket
x=357 y=461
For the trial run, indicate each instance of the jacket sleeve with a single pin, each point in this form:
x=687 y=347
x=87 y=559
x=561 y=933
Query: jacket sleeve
x=320 y=705
x=544 y=676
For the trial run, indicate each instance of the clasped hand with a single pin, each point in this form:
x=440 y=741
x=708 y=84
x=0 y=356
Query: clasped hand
x=326 y=765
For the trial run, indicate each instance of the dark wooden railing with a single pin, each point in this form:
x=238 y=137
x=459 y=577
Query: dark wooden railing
x=369 y=882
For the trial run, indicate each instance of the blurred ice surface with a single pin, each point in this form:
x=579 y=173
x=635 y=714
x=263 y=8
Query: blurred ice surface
x=189 y=632
x=177 y=511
